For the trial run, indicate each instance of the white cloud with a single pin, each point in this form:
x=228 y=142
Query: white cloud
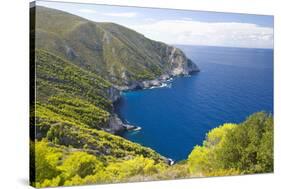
x=110 y=14
x=187 y=18
x=123 y=14
x=90 y=11
x=150 y=20
x=187 y=31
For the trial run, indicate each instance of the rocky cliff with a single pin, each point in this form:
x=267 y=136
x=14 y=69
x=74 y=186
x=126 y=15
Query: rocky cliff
x=177 y=65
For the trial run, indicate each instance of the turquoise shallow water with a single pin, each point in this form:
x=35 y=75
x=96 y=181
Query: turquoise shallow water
x=233 y=83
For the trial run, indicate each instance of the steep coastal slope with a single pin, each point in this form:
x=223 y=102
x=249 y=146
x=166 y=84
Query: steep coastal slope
x=81 y=67
x=73 y=108
x=118 y=54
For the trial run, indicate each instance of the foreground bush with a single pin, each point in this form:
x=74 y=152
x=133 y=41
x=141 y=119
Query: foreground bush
x=233 y=149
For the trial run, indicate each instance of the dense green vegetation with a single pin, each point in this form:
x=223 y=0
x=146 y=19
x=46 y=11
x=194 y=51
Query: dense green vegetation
x=72 y=111
x=236 y=148
x=78 y=63
x=77 y=110
x=57 y=165
x=55 y=76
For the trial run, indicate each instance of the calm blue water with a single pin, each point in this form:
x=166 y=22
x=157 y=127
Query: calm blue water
x=233 y=83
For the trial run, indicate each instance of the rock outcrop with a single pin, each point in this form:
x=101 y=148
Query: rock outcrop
x=180 y=64
x=116 y=126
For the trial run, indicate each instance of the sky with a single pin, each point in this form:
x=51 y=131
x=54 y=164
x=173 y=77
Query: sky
x=181 y=27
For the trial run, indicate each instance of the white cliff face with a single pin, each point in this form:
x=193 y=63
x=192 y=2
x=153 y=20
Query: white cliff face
x=180 y=64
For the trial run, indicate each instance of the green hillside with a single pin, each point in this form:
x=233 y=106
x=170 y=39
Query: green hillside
x=72 y=108
x=80 y=68
x=118 y=54
x=71 y=112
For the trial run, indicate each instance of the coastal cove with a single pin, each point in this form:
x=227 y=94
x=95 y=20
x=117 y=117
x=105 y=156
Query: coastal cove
x=176 y=116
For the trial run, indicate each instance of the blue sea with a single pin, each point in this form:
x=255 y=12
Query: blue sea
x=233 y=83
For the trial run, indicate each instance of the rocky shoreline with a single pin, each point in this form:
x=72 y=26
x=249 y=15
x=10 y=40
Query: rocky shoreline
x=116 y=125
x=147 y=84
x=139 y=85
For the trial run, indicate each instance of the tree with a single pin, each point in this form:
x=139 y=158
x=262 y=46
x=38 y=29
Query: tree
x=46 y=161
x=81 y=164
x=229 y=149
